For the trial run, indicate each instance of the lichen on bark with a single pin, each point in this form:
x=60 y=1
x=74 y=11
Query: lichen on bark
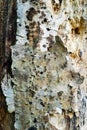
x=49 y=65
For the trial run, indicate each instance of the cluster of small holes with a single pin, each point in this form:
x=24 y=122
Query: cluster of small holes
x=76 y=31
x=35 y=3
x=55 y=6
x=44 y=20
x=40 y=69
x=31 y=13
x=34 y=31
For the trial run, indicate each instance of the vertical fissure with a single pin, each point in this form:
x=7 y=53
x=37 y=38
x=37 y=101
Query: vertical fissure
x=7 y=38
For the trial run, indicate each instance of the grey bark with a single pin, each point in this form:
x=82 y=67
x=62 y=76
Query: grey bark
x=43 y=65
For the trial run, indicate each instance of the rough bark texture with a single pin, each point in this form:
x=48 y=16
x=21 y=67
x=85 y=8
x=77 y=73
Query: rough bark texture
x=6 y=119
x=46 y=87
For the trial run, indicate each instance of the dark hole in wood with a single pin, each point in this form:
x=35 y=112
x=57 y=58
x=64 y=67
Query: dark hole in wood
x=32 y=128
x=77 y=31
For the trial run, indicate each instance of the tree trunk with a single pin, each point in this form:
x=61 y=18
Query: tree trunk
x=43 y=64
x=7 y=24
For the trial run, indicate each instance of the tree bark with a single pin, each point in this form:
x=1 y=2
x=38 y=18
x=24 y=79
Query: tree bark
x=7 y=25
x=43 y=64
